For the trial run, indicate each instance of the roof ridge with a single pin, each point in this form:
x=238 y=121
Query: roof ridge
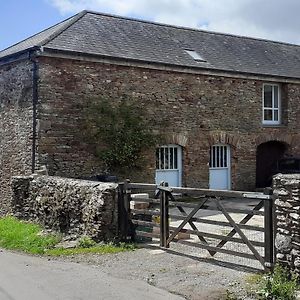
x=189 y=28
x=71 y=19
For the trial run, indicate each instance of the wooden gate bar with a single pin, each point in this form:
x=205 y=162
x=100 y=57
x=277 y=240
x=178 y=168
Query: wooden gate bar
x=218 y=237
x=145 y=223
x=269 y=235
x=147 y=234
x=208 y=207
x=164 y=216
x=242 y=235
x=243 y=221
x=146 y=212
x=194 y=227
x=217 y=223
x=143 y=186
x=217 y=193
x=187 y=219
x=148 y=200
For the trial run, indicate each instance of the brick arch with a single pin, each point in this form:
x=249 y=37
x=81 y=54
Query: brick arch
x=180 y=139
x=222 y=137
x=277 y=137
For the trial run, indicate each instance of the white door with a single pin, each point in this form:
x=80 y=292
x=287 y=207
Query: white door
x=169 y=165
x=219 y=167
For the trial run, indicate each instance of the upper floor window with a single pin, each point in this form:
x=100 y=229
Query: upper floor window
x=271 y=104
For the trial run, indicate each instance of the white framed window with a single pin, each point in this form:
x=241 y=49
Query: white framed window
x=167 y=157
x=219 y=157
x=271 y=104
x=169 y=165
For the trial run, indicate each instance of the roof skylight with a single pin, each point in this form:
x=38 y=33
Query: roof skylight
x=195 y=55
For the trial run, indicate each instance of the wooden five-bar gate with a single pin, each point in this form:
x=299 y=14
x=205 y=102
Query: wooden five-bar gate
x=244 y=218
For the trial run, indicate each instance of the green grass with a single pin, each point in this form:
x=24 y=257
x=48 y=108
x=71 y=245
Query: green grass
x=99 y=249
x=27 y=237
x=24 y=236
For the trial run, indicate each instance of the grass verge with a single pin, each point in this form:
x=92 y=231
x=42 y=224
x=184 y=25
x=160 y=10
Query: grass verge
x=26 y=236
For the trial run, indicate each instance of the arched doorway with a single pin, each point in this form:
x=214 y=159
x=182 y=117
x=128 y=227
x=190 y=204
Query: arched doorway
x=267 y=156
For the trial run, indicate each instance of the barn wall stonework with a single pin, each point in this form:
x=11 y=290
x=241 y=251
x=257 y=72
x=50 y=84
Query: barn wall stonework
x=194 y=110
x=15 y=126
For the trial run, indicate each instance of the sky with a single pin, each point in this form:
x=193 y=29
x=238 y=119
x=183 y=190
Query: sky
x=271 y=19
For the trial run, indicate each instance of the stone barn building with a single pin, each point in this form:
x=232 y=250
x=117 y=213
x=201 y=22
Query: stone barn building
x=229 y=104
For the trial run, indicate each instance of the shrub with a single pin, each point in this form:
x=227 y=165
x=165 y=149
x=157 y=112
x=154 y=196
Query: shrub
x=278 y=285
x=119 y=132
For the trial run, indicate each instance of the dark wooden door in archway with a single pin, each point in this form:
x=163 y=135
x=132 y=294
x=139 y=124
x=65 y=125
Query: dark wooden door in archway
x=267 y=156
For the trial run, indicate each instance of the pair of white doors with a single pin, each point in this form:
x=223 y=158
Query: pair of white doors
x=169 y=166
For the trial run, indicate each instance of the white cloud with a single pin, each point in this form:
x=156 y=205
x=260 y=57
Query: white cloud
x=272 y=19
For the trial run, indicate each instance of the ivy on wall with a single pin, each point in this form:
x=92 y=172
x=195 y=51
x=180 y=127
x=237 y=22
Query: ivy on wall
x=120 y=133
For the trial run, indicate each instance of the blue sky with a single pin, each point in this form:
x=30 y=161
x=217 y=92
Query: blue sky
x=271 y=19
x=20 y=19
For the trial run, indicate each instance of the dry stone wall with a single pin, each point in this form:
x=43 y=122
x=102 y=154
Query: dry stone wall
x=15 y=126
x=73 y=207
x=287 y=204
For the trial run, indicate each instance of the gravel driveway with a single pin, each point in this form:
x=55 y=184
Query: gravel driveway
x=182 y=274
x=187 y=271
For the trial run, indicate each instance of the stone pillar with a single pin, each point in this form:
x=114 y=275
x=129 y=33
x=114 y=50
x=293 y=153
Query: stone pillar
x=287 y=205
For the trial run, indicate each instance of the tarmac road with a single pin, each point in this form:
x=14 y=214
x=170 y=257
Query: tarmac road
x=24 y=277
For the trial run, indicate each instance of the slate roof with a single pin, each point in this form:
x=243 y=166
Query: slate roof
x=124 y=38
x=38 y=39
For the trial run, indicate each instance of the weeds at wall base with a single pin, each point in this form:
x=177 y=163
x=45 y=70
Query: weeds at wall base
x=277 y=285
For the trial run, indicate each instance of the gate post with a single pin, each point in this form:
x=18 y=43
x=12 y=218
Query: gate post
x=269 y=230
x=164 y=217
x=124 y=210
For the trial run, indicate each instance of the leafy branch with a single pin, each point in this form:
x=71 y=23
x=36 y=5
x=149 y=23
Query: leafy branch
x=119 y=132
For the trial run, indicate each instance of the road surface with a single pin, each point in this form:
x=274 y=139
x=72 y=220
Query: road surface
x=24 y=277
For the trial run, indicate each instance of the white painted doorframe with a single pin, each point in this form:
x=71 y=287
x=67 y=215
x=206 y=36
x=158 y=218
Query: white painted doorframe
x=220 y=167
x=169 y=165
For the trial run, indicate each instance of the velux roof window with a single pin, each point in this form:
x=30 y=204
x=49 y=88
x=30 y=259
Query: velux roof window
x=195 y=55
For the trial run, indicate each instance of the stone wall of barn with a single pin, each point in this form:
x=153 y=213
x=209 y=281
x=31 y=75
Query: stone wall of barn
x=287 y=204
x=72 y=207
x=194 y=111
x=15 y=126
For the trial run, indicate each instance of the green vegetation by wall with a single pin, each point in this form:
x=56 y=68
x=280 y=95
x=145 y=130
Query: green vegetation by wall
x=120 y=133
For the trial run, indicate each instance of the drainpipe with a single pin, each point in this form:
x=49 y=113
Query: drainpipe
x=35 y=77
